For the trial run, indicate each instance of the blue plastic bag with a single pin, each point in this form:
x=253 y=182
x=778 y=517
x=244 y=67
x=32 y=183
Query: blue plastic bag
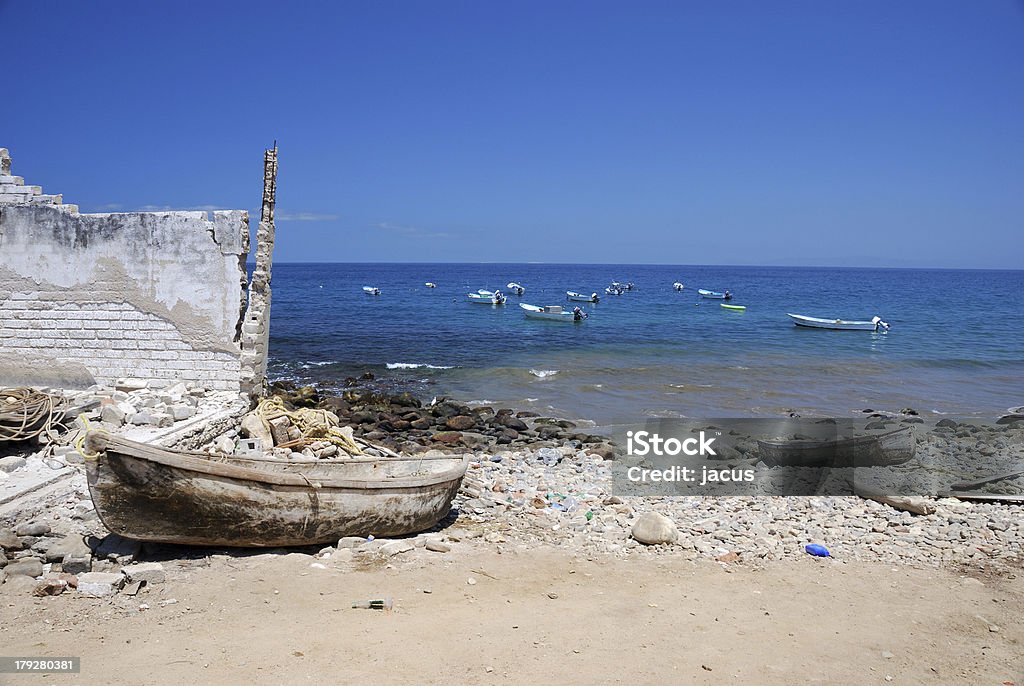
x=817 y=550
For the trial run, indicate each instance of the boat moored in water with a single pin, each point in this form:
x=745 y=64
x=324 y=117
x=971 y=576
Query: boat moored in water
x=733 y=308
x=371 y=290
x=553 y=313
x=430 y=284
x=678 y=285
x=580 y=298
x=487 y=297
x=876 y=323
x=515 y=288
x=714 y=295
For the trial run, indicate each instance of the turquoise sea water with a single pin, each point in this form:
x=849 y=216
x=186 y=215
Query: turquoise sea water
x=956 y=345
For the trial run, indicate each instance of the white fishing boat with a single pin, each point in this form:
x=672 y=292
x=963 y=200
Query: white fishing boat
x=614 y=289
x=714 y=295
x=371 y=290
x=580 y=298
x=875 y=324
x=553 y=313
x=515 y=288
x=495 y=298
x=485 y=292
x=678 y=285
x=430 y=284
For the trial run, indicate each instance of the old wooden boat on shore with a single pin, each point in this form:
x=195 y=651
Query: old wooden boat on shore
x=154 y=494
x=870 y=450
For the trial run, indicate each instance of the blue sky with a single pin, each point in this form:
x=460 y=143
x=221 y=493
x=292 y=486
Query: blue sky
x=720 y=132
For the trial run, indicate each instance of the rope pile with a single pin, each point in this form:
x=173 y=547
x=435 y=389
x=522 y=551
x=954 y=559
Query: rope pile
x=26 y=413
x=314 y=425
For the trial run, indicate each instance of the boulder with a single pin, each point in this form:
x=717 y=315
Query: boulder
x=10 y=541
x=447 y=437
x=112 y=414
x=26 y=566
x=100 y=584
x=652 y=528
x=150 y=572
x=253 y=427
x=460 y=423
x=32 y=529
x=421 y=424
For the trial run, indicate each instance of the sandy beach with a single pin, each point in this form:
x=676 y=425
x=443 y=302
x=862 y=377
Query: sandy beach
x=532 y=615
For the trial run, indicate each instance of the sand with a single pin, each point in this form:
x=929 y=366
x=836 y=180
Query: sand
x=538 y=616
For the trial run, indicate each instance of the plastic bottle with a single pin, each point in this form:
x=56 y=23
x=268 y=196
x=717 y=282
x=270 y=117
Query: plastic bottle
x=385 y=603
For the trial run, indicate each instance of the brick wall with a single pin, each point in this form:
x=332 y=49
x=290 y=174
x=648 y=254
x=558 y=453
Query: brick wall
x=90 y=298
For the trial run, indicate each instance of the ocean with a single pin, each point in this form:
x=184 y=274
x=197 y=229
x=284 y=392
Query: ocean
x=956 y=343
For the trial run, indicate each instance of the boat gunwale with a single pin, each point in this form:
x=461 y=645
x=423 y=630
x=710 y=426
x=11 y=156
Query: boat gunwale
x=102 y=442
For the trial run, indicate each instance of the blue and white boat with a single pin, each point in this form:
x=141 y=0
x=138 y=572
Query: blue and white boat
x=714 y=295
x=580 y=298
x=553 y=313
x=876 y=323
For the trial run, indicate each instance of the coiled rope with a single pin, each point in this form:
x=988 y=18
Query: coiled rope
x=315 y=425
x=26 y=413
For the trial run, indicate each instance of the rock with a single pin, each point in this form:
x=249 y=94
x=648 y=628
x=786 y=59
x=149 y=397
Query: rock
x=653 y=528
x=421 y=424
x=48 y=587
x=33 y=529
x=10 y=541
x=112 y=414
x=947 y=424
x=253 y=427
x=447 y=437
x=77 y=563
x=141 y=418
x=180 y=412
x=605 y=452
x=3 y=558
x=511 y=422
x=100 y=584
x=149 y=572
x=437 y=547
x=19 y=585
x=11 y=463
x=392 y=548
x=460 y=423
x=26 y=566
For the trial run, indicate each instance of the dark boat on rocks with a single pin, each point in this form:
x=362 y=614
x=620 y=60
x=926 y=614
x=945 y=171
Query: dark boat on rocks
x=870 y=450
x=150 y=493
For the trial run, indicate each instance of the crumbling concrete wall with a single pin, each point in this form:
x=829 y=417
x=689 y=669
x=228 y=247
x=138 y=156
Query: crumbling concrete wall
x=90 y=298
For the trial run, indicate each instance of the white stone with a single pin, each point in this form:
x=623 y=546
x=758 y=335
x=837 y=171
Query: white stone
x=652 y=528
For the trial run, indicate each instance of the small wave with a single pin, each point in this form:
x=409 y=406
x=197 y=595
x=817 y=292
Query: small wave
x=307 y=365
x=480 y=402
x=413 y=365
x=543 y=373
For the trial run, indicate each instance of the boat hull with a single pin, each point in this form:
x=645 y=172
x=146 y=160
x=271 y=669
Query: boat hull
x=880 y=450
x=151 y=494
x=832 y=324
x=734 y=308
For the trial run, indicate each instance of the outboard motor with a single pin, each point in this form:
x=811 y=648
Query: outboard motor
x=728 y=295
x=879 y=324
x=594 y=297
x=578 y=314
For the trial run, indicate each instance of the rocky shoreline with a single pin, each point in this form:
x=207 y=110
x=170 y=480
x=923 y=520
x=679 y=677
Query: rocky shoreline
x=401 y=422
x=533 y=481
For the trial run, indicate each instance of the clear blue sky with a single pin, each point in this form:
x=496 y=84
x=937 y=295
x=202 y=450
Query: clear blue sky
x=715 y=132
